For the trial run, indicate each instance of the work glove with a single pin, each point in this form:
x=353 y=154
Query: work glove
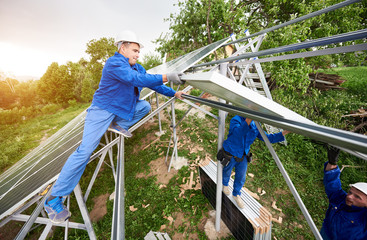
x=175 y=78
x=333 y=154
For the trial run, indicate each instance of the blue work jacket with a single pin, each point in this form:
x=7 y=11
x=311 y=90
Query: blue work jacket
x=241 y=136
x=342 y=221
x=120 y=86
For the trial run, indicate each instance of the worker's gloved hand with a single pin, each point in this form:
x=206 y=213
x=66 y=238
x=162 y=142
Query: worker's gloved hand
x=175 y=78
x=333 y=154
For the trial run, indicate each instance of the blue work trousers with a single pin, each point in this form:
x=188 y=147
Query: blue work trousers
x=240 y=176
x=96 y=124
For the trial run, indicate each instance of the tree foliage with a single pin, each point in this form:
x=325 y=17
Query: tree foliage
x=27 y=93
x=199 y=23
x=99 y=51
x=150 y=60
x=7 y=94
x=56 y=85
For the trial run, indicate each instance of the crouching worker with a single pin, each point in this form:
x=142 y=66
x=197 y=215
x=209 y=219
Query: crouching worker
x=346 y=217
x=116 y=105
x=236 y=153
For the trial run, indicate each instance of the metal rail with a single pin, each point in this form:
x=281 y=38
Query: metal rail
x=360 y=34
x=352 y=141
x=313 y=14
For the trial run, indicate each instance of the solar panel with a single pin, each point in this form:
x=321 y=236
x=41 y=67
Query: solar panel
x=225 y=88
x=40 y=167
x=251 y=222
x=184 y=62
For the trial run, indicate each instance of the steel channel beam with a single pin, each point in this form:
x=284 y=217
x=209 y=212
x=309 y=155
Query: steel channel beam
x=221 y=132
x=297 y=46
x=91 y=183
x=84 y=211
x=159 y=113
x=313 y=14
x=23 y=232
x=21 y=209
x=118 y=219
x=42 y=220
x=199 y=108
x=328 y=51
x=345 y=139
x=289 y=183
x=149 y=116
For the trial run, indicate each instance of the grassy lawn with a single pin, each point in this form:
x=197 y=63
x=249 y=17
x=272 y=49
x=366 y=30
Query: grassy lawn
x=356 y=79
x=159 y=201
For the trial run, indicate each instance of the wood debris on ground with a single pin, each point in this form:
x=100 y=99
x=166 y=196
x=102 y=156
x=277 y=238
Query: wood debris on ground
x=357 y=120
x=273 y=205
x=325 y=81
x=254 y=195
x=277 y=220
x=132 y=208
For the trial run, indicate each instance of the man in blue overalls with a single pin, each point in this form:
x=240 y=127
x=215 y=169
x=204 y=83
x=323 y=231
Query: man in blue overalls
x=242 y=133
x=346 y=217
x=116 y=105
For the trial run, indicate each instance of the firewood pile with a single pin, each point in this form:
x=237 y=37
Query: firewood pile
x=357 y=119
x=325 y=81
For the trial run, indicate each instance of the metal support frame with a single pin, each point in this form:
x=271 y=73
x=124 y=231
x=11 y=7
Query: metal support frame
x=118 y=225
x=158 y=114
x=118 y=219
x=33 y=218
x=173 y=123
x=245 y=78
x=289 y=183
x=221 y=133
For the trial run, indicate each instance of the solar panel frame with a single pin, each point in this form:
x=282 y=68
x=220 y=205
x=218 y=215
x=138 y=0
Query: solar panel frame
x=252 y=222
x=40 y=167
x=184 y=62
x=225 y=88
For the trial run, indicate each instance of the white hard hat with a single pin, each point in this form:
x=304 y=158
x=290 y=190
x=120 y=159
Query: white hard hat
x=361 y=186
x=127 y=36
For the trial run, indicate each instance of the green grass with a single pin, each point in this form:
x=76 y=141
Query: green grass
x=356 y=79
x=302 y=160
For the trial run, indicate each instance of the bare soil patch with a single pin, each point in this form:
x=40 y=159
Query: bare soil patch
x=160 y=169
x=99 y=208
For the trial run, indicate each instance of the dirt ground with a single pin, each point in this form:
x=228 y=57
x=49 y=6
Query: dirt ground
x=100 y=207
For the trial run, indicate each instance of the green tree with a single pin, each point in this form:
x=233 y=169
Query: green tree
x=87 y=88
x=47 y=83
x=7 y=91
x=99 y=51
x=198 y=23
x=77 y=73
x=27 y=93
x=151 y=60
x=56 y=85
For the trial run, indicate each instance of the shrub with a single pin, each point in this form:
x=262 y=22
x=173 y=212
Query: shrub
x=51 y=108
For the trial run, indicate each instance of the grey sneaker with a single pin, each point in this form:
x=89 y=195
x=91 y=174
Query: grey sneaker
x=56 y=210
x=117 y=129
x=226 y=190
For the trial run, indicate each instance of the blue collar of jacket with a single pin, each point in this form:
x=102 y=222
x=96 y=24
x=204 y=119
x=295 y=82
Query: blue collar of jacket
x=119 y=55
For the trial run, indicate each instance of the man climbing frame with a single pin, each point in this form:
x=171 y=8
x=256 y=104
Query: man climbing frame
x=116 y=105
x=346 y=217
